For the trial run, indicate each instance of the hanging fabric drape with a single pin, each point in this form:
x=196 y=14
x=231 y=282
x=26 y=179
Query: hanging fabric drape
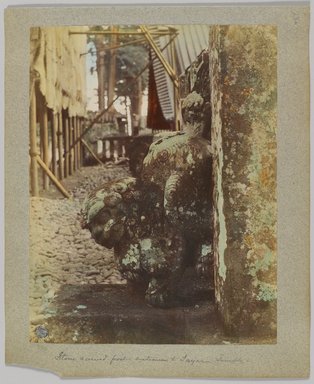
x=57 y=63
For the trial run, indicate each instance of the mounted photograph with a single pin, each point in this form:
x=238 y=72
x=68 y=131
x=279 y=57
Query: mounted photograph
x=153 y=189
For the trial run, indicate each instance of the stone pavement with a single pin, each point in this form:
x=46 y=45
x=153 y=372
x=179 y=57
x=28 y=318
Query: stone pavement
x=61 y=252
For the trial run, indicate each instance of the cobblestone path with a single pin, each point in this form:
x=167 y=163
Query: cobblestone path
x=61 y=252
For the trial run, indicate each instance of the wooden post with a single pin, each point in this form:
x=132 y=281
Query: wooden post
x=80 y=144
x=60 y=146
x=176 y=98
x=70 y=145
x=124 y=148
x=73 y=141
x=44 y=139
x=76 y=145
x=119 y=149
x=112 y=68
x=100 y=65
x=66 y=147
x=54 y=127
x=105 y=145
x=33 y=145
x=78 y=130
x=111 y=149
x=74 y=135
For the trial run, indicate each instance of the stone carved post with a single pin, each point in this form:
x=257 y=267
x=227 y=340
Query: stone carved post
x=243 y=72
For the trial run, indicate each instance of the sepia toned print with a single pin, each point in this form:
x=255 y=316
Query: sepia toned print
x=153 y=210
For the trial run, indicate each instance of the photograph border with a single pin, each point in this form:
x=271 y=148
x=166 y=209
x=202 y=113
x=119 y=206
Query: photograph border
x=290 y=357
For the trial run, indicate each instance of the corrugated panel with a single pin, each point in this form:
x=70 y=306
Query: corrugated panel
x=190 y=42
x=163 y=82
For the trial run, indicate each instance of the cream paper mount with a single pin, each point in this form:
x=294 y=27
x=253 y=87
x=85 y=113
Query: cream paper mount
x=289 y=355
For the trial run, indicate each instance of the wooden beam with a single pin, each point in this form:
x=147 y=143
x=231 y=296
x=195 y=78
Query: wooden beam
x=33 y=150
x=119 y=33
x=171 y=72
x=133 y=42
x=60 y=145
x=52 y=177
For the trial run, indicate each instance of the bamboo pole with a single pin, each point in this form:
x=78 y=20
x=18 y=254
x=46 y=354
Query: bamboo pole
x=164 y=62
x=66 y=147
x=120 y=33
x=78 y=134
x=176 y=103
x=112 y=69
x=33 y=145
x=74 y=121
x=60 y=146
x=118 y=46
x=79 y=142
x=44 y=140
x=71 y=141
x=134 y=42
x=91 y=152
x=101 y=71
x=54 y=127
x=52 y=177
x=81 y=136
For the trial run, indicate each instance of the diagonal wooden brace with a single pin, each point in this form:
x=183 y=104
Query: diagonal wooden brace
x=164 y=62
x=53 y=177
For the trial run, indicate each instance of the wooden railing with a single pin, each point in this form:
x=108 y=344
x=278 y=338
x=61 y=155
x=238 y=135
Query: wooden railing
x=55 y=148
x=111 y=148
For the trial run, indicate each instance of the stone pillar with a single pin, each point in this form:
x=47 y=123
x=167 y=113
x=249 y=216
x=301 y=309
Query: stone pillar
x=243 y=76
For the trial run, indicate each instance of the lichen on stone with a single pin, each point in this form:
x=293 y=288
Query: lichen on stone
x=193 y=100
x=206 y=249
x=146 y=244
x=266 y=292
